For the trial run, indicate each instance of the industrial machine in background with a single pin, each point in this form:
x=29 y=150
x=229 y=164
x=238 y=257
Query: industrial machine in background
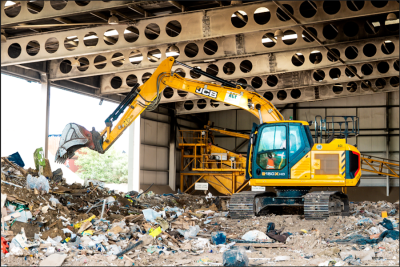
x=281 y=153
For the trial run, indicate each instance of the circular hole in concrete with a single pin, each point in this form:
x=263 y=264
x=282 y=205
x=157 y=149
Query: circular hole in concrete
x=229 y=68
x=331 y=56
x=315 y=57
x=168 y=92
x=214 y=103
x=193 y=74
x=380 y=83
x=212 y=69
x=269 y=96
x=379 y=4
x=131 y=80
x=71 y=42
x=319 y=75
x=154 y=55
x=12 y=10
x=100 y=62
x=372 y=26
x=337 y=88
x=173 y=28
x=289 y=37
x=182 y=93
x=116 y=82
x=51 y=45
x=295 y=93
x=239 y=19
x=383 y=67
x=396 y=65
x=394 y=81
x=118 y=59
x=191 y=50
x=83 y=64
x=135 y=57
x=366 y=85
x=350 y=29
x=145 y=77
x=330 y=31
x=201 y=103
x=307 y=37
x=244 y=82
x=392 y=25
x=335 y=73
x=14 y=50
x=172 y=51
x=351 y=52
x=282 y=15
x=131 y=34
x=268 y=40
x=272 y=80
x=188 y=105
x=369 y=50
x=82 y=3
x=281 y=95
x=348 y=72
x=65 y=66
x=58 y=5
x=152 y=31
x=35 y=6
x=351 y=87
x=331 y=7
x=355 y=5
x=298 y=59
x=367 y=69
x=308 y=9
x=33 y=48
x=256 y=82
x=246 y=66
x=210 y=47
x=90 y=39
x=111 y=37
x=387 y=47
x=262 y=15
x=180 y=72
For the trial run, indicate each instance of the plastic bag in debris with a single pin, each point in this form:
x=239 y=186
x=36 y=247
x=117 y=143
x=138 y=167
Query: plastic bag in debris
x=121 y=224
x=192 y=232
x=41 y=183
x=235 y=257
x=99 y=238
x=200 y=243
x=226 y=247
x=150 y=215
x=66 y=230
x=361 y=240
x=114 y=250
x=53 y=199
x=54 y=241
x=365 y=221
x=25 y=216
x=254 y=235
x=387 y=224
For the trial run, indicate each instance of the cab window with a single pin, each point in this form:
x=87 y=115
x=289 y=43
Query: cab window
x=271 y=152
x=295 y=143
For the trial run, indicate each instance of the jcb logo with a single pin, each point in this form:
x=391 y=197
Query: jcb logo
x=233 y=96
x=206 y=92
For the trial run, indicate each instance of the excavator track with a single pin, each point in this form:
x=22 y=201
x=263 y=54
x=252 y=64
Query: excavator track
x=322 y=204
x=241 y=205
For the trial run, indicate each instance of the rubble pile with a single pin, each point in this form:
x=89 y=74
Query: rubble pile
x=47 y=222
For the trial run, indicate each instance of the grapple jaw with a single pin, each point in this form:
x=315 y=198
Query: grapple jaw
x=75 y=137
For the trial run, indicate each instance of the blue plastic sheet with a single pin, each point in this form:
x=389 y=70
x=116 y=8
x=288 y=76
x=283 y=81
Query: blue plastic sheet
x=362 y=240
x=16 y=158
x=387 y=224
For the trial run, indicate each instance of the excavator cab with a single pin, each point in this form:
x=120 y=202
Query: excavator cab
x=276 y=147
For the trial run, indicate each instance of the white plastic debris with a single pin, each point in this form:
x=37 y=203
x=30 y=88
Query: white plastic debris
x=254 y=235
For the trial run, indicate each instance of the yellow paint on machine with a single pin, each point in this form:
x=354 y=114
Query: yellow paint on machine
x=301 y=170
x=296 y=182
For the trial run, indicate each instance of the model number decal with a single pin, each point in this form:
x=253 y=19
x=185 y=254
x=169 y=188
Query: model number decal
x=275 y=173
x=206 y=92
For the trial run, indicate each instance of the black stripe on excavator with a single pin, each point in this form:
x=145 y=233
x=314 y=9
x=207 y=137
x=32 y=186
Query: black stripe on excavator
x=122 y=106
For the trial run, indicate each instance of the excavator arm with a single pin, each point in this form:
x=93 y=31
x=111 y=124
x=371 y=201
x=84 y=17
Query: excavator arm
x=148 y=96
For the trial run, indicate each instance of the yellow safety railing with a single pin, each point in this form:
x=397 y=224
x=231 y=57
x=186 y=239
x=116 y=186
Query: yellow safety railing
x=380 y=166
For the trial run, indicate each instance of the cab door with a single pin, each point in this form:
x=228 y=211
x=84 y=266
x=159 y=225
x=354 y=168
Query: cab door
x=270 y=154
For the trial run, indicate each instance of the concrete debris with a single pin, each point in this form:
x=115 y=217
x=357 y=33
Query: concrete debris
x=75 y=225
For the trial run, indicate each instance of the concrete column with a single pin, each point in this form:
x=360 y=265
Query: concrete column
x=172 y=150
x=45 y=104
x=134 y=156
x=387 y=140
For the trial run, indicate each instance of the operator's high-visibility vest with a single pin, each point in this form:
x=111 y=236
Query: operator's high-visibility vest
x=270 y=164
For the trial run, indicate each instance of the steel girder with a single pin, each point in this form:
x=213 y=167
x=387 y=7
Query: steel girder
x=196 y=25
x=270 y=64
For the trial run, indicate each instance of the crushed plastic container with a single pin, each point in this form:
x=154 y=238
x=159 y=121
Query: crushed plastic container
x=150 y=215
x=235 y=257
x=193 y=231
x=41 y=183
x=218 y=238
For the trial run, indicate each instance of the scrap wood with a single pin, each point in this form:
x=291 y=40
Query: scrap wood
x=22 y=170
x=172 y=238
x=126 y=257
x=262 y=245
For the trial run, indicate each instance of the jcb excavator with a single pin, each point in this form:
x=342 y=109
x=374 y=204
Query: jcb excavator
x=281 y=153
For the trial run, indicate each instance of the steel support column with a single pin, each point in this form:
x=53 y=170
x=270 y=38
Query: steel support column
x=387 y=141
x=134 y=156
x=172 y=149
x=45 y=100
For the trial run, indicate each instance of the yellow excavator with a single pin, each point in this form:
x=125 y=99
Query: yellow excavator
x=281 y=153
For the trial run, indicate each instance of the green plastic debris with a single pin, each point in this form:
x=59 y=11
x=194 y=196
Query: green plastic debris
x=38 y=157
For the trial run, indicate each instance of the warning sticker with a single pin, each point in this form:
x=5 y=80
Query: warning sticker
x=232 y=98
